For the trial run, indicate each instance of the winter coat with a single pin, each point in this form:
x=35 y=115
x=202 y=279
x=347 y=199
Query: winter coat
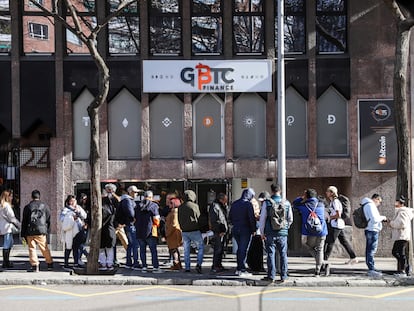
x=108 y=237
x=7 y=217
x=303 y=208
x=173 y=230
x=218 y=217
x=189 y=213
x=147 y=219
x=241 y=213
x=126 y=210
x=401 y=224
x=70 y=225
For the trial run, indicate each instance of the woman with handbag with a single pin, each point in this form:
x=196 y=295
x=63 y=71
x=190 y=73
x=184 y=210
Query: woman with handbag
x=8 y=226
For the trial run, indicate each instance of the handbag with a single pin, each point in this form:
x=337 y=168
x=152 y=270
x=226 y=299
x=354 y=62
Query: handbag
x=14 y=229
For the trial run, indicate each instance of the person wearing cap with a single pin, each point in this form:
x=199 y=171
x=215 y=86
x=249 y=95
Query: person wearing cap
x=276 y=241
x=126 y=217
x=241 y=215
x=147 y=222
x=372 y=230
x=401 y=234
x=335 y=229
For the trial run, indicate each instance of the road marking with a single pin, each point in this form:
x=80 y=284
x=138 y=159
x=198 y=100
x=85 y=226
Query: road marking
x=61 y=297
x=403 y=291
x=167 y=298
x=296 y=298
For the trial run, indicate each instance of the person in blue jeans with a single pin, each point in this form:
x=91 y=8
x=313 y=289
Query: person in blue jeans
x=147 y=222
x=372 y=231
x=276 y=241
x=241 y=215
x=189 y=219
x=126 y=216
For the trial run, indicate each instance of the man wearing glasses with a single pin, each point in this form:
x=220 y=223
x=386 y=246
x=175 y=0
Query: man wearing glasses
x=372 y=231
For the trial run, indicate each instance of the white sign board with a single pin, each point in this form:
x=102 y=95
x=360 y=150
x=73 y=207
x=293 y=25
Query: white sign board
x=201 y=76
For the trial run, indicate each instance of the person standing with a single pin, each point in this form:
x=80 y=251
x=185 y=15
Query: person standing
x=276 y=241
x=108 y=237
x=7 y=221
x=335 y=228
x=242 y=217
x=35 y=227
x=147 y=221
x=218 y=224
x=189 y=217
x=126 y=217
x=73 y=235
x=173 y=232
x=372 y=230
x=401 y=234
x=315 y=241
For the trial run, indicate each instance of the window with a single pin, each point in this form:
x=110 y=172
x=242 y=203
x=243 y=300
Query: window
x=40 y=2
x=123 y=31
x=207 y=27
x=296 y=124
x=5 y=27
x=81 y=126
x=248 y=27
x=332 y=124
x=331 y=26
x=166 y=127
x=86 y=12
x=249 y=128
x=208 y=126
x=165 y=27
x=295 y=30
x=38 y=31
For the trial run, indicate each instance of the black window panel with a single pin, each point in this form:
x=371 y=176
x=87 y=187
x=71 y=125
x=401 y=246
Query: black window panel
x=334 y=72
x=295 y=29
x=165 y=34
x=5 y=95
x=78 y=75
x=37 y=96
x=331 y=26
x=125 y=74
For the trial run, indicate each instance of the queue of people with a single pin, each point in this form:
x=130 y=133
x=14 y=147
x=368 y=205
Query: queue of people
x=139 y=218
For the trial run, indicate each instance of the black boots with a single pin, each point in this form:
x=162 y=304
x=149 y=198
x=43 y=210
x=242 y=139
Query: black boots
x=66 y=259
x=6 y=259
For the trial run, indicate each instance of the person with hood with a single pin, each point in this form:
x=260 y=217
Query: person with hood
x=242 y=217
x=315 y=241
x=189 y=220
x=401 y=234
x=173 y=232
x=372 y=231
x=147 y=221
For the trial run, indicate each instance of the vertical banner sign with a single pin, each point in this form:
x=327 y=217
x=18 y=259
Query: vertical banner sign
x=377 y=138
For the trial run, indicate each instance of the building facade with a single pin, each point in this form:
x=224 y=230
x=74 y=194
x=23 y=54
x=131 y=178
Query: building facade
x=338 y=74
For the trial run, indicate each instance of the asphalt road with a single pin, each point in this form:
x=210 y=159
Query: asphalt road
x=200 y=298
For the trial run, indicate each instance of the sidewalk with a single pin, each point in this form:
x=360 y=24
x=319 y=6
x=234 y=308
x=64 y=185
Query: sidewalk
x=300 y=273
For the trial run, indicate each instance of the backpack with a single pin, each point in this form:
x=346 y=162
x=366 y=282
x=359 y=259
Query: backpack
x=346 y=206
x=277 y=214
x=313 y=223
x=360 y=221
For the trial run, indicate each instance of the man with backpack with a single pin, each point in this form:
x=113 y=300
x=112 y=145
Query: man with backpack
x=336 y=224
x=35 y=227
x=276 y=216
x=313 y=225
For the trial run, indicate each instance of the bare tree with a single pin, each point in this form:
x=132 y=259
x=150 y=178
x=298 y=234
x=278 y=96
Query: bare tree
x=403 y=11
x=88 y=34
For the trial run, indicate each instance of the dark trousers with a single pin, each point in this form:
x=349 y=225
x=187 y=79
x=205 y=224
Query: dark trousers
x=218 y=250
x=78 y=244
x=333 y=234
x=399 y=251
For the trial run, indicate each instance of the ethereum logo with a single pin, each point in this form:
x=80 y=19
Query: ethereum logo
x=125 y=122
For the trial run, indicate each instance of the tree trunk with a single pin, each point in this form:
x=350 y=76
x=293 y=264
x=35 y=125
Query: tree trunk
x=95 y=160
x=401 y=113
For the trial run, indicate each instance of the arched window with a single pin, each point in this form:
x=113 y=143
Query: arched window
x=124 y=127
x=166 y=127
x=249 y=128
x=332 y=114
x=208 y=116
x=82 y=126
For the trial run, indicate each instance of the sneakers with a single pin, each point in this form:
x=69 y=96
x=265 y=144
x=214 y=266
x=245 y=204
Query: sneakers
x=352 y=261
x=128 y=266
x=137 y=267
x=144 y=270
x=268 y=279
x=198 y=269
x=400 y=274
x=33 y=269
x=157 y=270
x=245 y=274
x=374 y=274
x=110 y=267
x=102 y=267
